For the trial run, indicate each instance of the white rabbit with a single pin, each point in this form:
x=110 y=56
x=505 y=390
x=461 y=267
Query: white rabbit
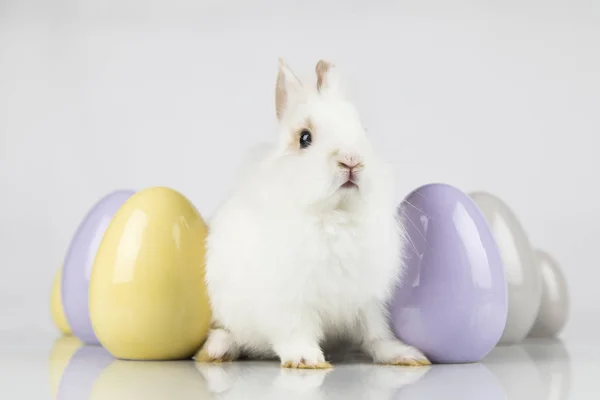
x=308 y=246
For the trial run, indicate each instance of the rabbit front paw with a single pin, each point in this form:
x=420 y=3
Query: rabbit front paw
x=219 y=347
x=393 y=352
x=302 y=356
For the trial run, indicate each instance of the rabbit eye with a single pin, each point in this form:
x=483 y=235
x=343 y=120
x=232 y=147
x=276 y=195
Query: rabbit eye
x=305 y=139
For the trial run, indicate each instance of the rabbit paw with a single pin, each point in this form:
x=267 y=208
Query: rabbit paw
x=392 y=352
x=219 y=347
x=304 y=364
x=302 y=357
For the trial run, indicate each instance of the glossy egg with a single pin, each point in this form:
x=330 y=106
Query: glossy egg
x=554 y=307
x=148 y=299
x=451 y=299
x=520 y=262
x=56 y=308
x=79 y=261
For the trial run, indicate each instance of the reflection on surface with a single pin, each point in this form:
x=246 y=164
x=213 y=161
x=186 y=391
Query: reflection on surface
x=516 y=371
x=168 y=380
x=456 y=381
x=62 y=351
x=260 y=380
x=81 y=373
x=534 y=370
x=554 y=363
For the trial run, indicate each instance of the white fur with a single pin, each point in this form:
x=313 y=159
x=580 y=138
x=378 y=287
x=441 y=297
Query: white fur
x=292 y=259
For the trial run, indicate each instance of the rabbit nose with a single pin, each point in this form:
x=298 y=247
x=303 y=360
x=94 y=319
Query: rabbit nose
x=351 y=163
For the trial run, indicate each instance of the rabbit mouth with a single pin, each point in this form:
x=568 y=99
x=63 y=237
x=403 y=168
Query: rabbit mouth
x=349 y=185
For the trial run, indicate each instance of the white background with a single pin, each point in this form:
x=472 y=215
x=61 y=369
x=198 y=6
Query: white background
x=99 y=95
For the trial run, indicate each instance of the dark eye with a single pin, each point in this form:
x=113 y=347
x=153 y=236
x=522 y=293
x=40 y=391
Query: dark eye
x=305 y=139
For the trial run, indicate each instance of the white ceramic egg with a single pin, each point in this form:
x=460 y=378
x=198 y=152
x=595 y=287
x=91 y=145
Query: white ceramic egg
x=554 y=307
x=521 y=267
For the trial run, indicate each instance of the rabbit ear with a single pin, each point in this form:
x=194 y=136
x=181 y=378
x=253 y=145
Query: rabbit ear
x=328 y=79
x=287 y=88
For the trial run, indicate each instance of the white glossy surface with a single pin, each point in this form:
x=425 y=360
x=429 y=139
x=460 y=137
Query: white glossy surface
x=535 y=370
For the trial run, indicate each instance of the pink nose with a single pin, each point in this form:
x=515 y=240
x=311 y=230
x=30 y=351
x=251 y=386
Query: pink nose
x=350 y=162
x=348 y=165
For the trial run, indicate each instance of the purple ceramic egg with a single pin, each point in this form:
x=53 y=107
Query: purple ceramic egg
x=451 y=301
x=79 y=260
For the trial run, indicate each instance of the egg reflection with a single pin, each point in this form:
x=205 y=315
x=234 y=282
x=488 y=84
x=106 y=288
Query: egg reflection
x=537 y=369
x=534 y=370
x=552 y=359
x=125 y=380
x=262 y=380
x=62 y=351
x=93 y=373
x=351 y=380
x=82 y=371
x=464 y=381
x=517 y=373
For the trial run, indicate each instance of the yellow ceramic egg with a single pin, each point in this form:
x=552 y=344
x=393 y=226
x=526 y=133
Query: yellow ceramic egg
x=147 y=296
x=56 y=308
x=62 y=351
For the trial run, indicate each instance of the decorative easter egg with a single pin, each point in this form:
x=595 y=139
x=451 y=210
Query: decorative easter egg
x=554 y=307
x=521 y=268
x=62 y=351
x=451 y=300
x=148 y=299
x=79 y=260
x=56 y=308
